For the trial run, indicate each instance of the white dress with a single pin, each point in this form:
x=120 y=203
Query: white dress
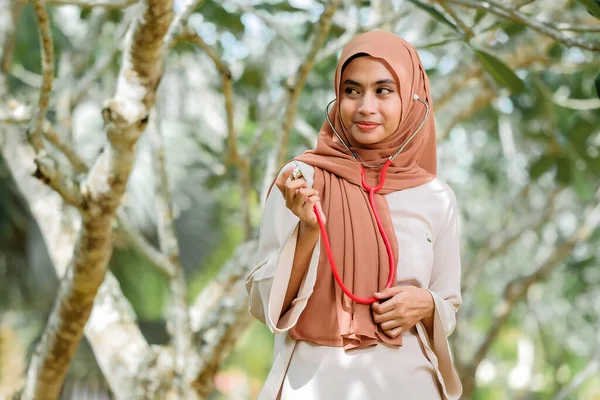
x=425 y=223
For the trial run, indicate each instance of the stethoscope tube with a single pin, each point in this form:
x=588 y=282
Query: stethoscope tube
x=371 y=191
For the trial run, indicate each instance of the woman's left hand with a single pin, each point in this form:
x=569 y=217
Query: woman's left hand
x=404 y=307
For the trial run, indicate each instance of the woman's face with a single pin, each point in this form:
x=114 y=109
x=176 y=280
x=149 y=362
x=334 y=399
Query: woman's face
x=370 y=104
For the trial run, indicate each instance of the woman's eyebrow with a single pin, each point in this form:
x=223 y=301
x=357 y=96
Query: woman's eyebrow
x=351 y=82
x=379 y=82
x=386 y=81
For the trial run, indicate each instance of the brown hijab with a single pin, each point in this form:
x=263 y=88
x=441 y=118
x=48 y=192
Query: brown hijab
x=330 y=317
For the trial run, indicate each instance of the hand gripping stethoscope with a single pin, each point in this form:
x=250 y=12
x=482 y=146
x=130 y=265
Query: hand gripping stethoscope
x=297 y=173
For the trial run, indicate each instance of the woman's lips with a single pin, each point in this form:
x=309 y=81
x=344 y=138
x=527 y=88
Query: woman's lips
x=366 y=126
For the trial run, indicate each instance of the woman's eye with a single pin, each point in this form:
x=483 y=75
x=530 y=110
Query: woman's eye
x=384 y=91
x=350 y=90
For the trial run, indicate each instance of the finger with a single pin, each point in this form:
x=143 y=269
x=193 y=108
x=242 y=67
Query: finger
x=388 y=292
x=379 y=318
x=394 y=333
x=284 y=176
x=295 y=185
x=291 y=189
x=301 y=197
x=388 y=305
x=280 y=182
x=389 y=325
x=307 y=192
x=310 y=203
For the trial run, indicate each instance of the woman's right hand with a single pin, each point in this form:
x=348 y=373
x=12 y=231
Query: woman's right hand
x=300 y=199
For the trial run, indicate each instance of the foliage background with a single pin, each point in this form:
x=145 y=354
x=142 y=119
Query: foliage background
x=519 y=139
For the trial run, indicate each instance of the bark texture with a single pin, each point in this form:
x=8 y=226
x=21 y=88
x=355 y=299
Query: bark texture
x=125 y=117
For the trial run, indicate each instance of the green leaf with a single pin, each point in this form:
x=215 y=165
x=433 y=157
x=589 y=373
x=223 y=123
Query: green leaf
x=581 y=183
x=563 y=174
x=501 y=72
x=585 y=263
x=440 y=43
x=593 y=7
x=556 y=51
x=215 y=13
x=435 y=14
x=283 y=6
x=541 y=165
x=479 y=16
x=512 y=28
x=252 y=79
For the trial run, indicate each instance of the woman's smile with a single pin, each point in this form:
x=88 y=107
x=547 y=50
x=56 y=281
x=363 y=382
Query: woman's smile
x=366 y=126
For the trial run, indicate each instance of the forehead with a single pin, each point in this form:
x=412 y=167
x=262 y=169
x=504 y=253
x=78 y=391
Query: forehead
x=366 y=70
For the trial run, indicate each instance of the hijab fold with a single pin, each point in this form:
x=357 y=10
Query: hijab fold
x=330 y=317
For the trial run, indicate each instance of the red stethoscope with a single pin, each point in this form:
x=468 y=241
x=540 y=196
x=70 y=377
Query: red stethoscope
x=297 y=173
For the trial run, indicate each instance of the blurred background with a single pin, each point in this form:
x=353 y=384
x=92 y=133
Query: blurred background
x=515 y=92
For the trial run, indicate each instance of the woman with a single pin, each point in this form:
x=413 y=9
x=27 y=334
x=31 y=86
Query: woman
x=393 y=346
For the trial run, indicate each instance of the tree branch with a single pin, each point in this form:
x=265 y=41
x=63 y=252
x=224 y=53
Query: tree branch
x=49 y=171
x=109 y=4
x=223 y=327
x=296 y=84
x=125 y=118
x=233 y=157
x=190 y=35
x=180 y=20
x=468 y=32
x=483 y=99
x=47 y=55
x=54 y=138
x=145 y=248
x=219 y=316
x=179 y=326
x=270 y=22
x=134 y=238
x=517 y=289
x=522 y=3
x=27 y=77
x=522 y=57
x=517 y=16
x=563 y=26
x=19 y=113
x=10 y=9
x=84 y=84
x=112 y=330
x=12 y=357
x=100 y=65
x=352 y=30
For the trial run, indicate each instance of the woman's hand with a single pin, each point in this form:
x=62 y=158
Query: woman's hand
x=300 y=199
x=404 y=307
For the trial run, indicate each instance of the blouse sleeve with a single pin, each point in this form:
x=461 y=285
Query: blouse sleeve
x=444 y=287
x=268 y=280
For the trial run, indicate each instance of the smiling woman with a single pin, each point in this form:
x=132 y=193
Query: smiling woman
x=370 y=106
x=378 y=326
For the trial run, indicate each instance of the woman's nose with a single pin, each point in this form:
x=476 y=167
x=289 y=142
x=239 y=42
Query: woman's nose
x=367 y=105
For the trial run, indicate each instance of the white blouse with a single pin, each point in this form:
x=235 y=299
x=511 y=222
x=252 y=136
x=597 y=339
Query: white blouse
x=426 y=227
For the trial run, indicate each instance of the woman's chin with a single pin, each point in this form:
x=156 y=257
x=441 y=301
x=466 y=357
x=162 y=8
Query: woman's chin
x=366 y=138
